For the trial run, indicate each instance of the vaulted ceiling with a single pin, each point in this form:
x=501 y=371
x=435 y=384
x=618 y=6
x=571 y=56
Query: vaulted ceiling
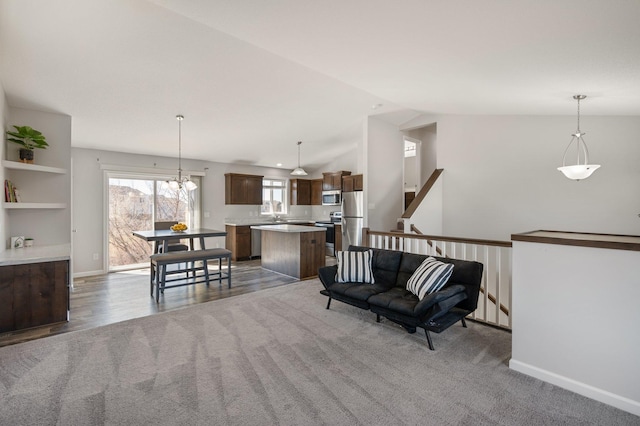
x=252 y=77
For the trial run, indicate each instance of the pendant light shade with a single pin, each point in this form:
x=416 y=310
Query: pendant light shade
x=582 y=169
x=177 y=183
x=299 y=171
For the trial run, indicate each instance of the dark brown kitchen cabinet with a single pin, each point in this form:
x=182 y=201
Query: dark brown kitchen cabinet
x=242 y=189
x=33 y=294
x=238 y=240
x=352 y=183
x=316 y=192
x=333 y=180
x=300 y=192
x=337 y=239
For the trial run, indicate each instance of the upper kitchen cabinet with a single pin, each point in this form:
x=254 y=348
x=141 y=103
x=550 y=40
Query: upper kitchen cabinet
x=300 y=192
x=316 y=192
x=352 y=183
x=242 y=189
x=333 y=180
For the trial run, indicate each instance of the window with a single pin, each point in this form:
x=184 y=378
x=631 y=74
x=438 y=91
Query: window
x=274 y=196
x=135 y=203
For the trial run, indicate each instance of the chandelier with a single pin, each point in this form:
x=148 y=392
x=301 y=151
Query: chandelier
x=582 y=169
x=179 y=182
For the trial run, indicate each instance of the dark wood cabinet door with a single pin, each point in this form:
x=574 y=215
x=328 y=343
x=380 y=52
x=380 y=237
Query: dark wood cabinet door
x=300 y=192
x=34 y=294
x=316 y=192
x=242 y=189
x=238 y=241
x=254 y=190
x=333 y=180
x=358 y=183
x=347 y=184
x=312 y=253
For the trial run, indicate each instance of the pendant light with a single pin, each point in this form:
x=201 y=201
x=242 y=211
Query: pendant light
x=179 y=182
x=582 y=169
x=299 y=171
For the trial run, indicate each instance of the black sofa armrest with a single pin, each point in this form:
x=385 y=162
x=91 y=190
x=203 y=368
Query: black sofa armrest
x=327 y=275
x=431 y=299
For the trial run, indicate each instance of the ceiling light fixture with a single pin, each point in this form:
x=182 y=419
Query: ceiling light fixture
x=581 y=170
x=299 y=171
x=179 y=182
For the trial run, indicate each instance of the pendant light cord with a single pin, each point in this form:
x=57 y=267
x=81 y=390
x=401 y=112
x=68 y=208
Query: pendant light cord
x=578 y=114
x=180 y=118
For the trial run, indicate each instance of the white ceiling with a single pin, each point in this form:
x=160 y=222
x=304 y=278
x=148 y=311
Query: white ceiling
x=252 y=77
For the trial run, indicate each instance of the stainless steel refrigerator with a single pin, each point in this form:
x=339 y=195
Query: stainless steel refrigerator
x=352 y=218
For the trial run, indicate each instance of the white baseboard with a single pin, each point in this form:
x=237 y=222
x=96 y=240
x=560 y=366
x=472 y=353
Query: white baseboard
x=589 y=391
x=88 y=274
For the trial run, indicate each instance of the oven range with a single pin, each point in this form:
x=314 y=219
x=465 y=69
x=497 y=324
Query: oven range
x=334 y=217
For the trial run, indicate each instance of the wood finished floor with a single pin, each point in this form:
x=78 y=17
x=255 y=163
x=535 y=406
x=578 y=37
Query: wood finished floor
x=106 y=299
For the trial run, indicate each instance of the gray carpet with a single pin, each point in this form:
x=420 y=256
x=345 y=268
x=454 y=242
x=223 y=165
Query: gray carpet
x=279 y=357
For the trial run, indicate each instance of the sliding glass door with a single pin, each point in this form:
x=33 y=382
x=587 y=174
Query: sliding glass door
x=135 y=203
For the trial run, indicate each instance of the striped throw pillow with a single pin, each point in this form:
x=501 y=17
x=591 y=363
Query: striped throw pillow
x=429 y=277
x=354 y=267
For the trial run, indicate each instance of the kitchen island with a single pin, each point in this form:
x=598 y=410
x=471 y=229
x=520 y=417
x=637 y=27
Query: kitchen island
x=293 y=250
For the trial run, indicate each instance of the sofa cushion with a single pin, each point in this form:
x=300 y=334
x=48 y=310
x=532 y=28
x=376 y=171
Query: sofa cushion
x=385 y=264
x=357 y=291
x=429 y=277
x=354 y=266
x=396 y=299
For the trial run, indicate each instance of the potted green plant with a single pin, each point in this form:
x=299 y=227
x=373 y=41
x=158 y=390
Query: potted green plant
x=29 y=139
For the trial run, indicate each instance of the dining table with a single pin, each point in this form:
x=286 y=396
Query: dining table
x=161 y=237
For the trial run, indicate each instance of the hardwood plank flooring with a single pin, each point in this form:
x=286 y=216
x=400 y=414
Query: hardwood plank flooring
x=114 y=297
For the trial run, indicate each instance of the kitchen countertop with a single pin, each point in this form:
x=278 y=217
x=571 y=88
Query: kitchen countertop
x=35 y=254
x=288 y=228
x=256 y=222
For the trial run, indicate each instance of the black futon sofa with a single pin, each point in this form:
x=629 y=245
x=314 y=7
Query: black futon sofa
x=388 y=296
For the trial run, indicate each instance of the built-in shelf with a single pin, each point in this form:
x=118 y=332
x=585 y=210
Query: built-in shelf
x=35 y=205
x=32 y=167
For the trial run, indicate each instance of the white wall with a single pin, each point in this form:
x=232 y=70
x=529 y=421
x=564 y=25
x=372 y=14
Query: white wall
x=384 y=194
x=4 y=119
x=500 y=175
x=410 y=174
x=428 y=135
x=46 y=226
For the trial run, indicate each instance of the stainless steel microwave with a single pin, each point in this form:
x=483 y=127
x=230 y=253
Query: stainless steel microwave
x=331 y=198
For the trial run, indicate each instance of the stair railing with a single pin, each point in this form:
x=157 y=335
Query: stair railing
x=495 y=302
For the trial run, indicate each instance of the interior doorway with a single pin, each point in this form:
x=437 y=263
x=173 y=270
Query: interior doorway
x=412 y=172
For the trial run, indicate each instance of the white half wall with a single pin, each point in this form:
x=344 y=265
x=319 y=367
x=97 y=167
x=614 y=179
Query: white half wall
x=575 y=320
x=428 y=217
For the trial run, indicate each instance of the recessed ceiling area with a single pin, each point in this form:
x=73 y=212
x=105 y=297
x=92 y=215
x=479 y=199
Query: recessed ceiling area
x=253 y=77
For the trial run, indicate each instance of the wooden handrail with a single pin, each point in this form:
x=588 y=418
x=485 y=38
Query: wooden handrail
x=366 y=232
x=423 y=193
x=494 y=301
x=418 y=232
